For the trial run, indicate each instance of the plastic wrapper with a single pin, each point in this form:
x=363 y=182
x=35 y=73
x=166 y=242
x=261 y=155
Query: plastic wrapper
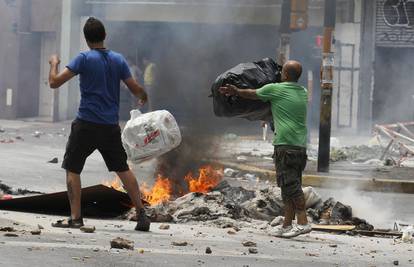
x=150 y=135
x=248 y=76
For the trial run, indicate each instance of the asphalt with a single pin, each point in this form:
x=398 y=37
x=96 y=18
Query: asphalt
x=70 y=247
x=24 y=165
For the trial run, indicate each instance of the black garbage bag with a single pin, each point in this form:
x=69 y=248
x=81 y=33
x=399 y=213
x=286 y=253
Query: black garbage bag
x=246 y=75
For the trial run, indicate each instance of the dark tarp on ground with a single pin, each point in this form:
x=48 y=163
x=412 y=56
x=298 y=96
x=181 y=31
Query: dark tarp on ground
x=248 y=76
x=97 y=201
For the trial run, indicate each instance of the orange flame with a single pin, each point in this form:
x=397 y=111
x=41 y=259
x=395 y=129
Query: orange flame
x=115 y=184
x=208 y=179
x=160 y=192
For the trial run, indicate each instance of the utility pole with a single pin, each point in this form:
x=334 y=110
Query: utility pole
x=284 y=45
x=326 y=87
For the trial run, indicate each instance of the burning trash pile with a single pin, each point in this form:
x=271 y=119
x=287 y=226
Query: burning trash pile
x=211 y=200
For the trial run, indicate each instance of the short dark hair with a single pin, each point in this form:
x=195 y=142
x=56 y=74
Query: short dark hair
x=94 y=30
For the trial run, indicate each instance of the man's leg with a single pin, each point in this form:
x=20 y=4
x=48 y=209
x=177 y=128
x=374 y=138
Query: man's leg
x=300 y=208
x=73 y=184
x=131 y=185
x=289 y=213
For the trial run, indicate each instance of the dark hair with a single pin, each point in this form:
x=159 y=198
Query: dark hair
x=94 y=30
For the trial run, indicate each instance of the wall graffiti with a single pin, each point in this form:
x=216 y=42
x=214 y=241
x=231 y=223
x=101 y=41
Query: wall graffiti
x=395 y=23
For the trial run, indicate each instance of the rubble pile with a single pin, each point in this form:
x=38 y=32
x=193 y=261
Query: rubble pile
x=333 y=212
x=360 y=154
x=234 y=206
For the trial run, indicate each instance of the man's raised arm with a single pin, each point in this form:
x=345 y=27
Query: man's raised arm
x=56 y=79
x=230 y=90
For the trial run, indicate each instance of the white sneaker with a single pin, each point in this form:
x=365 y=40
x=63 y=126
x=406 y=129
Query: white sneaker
x=298 y=230
x=279 y=230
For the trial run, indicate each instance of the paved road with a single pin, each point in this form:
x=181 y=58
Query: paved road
x=24 y=165
x=60 y=247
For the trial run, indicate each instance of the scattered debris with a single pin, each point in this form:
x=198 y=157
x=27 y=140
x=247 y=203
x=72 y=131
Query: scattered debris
x=241 y=158
x=36 y=232
x=208 y=250
x=230 y=136
x=179 y=243
x=277 y=221
x=95 y=249
x=121 y=243
x=7 y=229
x=2 y=130
x=249 y=244
x=141 y=251
x=231 y=232
x=37 y=134
x=19 y=138
x=54 y=160
x=8 y=234
x=164 y=226
x=333 y=245
x=333 y=212
x=6 y=141
x=407 y=234
x=88 y=229
x=312 y=254
x=40 y=227
x=253 y=250
x=400 y=140
x=229 y=206
x=230 y=172
x=75 y=258
x=396 y=262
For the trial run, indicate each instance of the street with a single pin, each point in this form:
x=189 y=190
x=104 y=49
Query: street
x=27 y=168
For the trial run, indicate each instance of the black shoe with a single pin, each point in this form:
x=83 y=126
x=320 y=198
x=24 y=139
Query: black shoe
x=68 y=223
x=143 y=222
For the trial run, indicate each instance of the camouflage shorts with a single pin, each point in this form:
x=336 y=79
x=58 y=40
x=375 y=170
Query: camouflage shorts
x=290 y=161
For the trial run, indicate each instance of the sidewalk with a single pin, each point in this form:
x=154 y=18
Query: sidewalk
x=252 y=155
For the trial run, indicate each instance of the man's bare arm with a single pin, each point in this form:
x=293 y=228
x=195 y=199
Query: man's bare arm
x=56 y=79
x=230 y=90
x=136 y=89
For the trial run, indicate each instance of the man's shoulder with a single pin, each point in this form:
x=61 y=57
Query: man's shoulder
x=116 y=55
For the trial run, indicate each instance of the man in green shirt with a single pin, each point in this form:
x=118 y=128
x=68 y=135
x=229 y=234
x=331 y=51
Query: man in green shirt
x=288 y=102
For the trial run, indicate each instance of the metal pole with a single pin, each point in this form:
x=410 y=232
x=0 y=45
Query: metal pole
x=284 y=45
x=326 y=87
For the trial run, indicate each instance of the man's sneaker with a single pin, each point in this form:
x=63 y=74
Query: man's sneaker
x=298 y=229
x=279 y=230
x=143 y=222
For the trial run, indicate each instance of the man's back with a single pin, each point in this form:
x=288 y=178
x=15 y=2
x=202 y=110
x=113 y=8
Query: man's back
x=101 y=72
x=289 y=102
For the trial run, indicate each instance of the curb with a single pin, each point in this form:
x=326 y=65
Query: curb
x=325 y=181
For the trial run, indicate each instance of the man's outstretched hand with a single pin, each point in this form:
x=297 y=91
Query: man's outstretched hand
x=229 y=90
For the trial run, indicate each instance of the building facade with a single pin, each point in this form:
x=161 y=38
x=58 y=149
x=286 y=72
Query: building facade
x=191 y=42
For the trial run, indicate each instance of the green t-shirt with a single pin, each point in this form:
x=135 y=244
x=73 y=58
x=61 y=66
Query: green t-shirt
x=288 y=101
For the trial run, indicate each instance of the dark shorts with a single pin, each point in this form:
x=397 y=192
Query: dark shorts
x=85 y=137
x=290 y=161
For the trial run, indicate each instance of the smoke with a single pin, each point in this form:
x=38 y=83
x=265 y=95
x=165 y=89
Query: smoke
x=368 y=206
x=189 y=57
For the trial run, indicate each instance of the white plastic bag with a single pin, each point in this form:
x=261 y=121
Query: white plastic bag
x=150 y=135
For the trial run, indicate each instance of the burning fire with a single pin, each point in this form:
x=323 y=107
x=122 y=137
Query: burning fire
x=160 y=192
x=208 y=179
x=162 y=189
x=115 y=184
